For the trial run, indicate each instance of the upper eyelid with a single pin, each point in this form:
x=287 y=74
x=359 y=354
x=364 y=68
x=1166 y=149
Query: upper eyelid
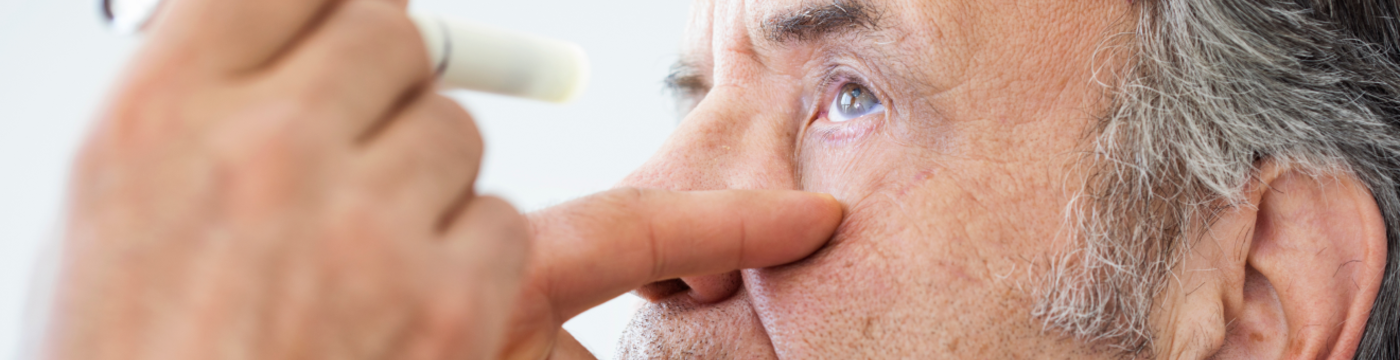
x=831 y=75
x=841 y=73
x=835 y=79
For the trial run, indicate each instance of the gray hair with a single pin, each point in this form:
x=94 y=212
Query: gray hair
x=1211 y=88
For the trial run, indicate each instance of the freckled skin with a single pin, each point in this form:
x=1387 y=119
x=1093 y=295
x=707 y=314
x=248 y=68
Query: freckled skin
x=954 y=195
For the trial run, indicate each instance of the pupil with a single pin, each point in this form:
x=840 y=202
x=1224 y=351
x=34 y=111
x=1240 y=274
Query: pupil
x=849 y=99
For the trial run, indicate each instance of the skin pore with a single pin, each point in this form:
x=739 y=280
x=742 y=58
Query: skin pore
x=954 y=192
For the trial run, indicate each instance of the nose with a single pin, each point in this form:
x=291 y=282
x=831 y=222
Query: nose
x=731 y=140
x=736 y=138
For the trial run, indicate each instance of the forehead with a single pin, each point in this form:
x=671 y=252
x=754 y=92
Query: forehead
x=717 y=22
x=937 y=44
x=724 y=30
x=732 y=40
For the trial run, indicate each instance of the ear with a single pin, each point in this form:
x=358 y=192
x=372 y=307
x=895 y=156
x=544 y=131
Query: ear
x=1292 y=276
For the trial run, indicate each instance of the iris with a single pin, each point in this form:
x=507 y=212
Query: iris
x=851 y=102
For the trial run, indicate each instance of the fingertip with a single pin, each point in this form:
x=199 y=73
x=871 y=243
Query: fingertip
x=825 y=210
x=834 y=209
x=812 y=199
x=824 y=196
x=791 y=226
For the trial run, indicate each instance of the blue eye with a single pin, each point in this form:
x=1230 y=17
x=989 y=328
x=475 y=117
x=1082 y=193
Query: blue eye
x=851 y=102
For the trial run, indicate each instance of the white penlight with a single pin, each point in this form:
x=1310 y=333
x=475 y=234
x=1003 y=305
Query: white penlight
x=465 y=55
x=477 y=57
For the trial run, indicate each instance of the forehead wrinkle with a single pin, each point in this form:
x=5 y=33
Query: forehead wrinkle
x=735 y=56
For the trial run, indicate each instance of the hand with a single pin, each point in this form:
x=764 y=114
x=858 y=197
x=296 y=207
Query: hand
x=276 y=179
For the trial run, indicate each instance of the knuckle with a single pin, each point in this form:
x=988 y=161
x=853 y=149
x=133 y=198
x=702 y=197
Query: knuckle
x=498 y=225
x=384 y=30
x=511 y=223
x=384 y=18
x=466 y=134
x=445 y=132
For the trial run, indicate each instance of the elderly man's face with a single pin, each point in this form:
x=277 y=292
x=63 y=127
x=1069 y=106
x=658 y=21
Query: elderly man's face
x=948 y=128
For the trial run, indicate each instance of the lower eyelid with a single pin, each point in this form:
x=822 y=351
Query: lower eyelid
x=847 y=132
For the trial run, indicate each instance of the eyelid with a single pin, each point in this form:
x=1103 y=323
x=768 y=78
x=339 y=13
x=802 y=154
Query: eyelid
x=837 y=77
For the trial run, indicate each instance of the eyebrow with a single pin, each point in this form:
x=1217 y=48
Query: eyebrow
x=686 y=80
x=815 y=21
x=807 y=23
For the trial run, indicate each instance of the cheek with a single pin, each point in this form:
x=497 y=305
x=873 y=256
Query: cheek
x=830 y=303
x=926 y=261
x=860 y=158
x=878 y=290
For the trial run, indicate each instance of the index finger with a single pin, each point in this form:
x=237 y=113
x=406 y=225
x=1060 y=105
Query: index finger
x=593 y=249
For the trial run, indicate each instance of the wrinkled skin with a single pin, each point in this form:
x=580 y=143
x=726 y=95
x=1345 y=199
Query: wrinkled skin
x=954 y=194
x=295 y=190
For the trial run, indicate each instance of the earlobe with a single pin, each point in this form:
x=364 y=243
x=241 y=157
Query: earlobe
x=1310 y=271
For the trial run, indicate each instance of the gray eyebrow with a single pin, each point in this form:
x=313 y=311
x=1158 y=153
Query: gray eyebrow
x=814 y=21
x=809 y=22
x=686 y=80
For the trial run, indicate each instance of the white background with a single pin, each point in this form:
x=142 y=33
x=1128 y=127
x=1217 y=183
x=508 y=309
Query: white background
x=57 y=61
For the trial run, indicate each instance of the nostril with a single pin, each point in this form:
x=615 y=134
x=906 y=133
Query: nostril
x=661 y=290
x=713 y=288
x=702 y=289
